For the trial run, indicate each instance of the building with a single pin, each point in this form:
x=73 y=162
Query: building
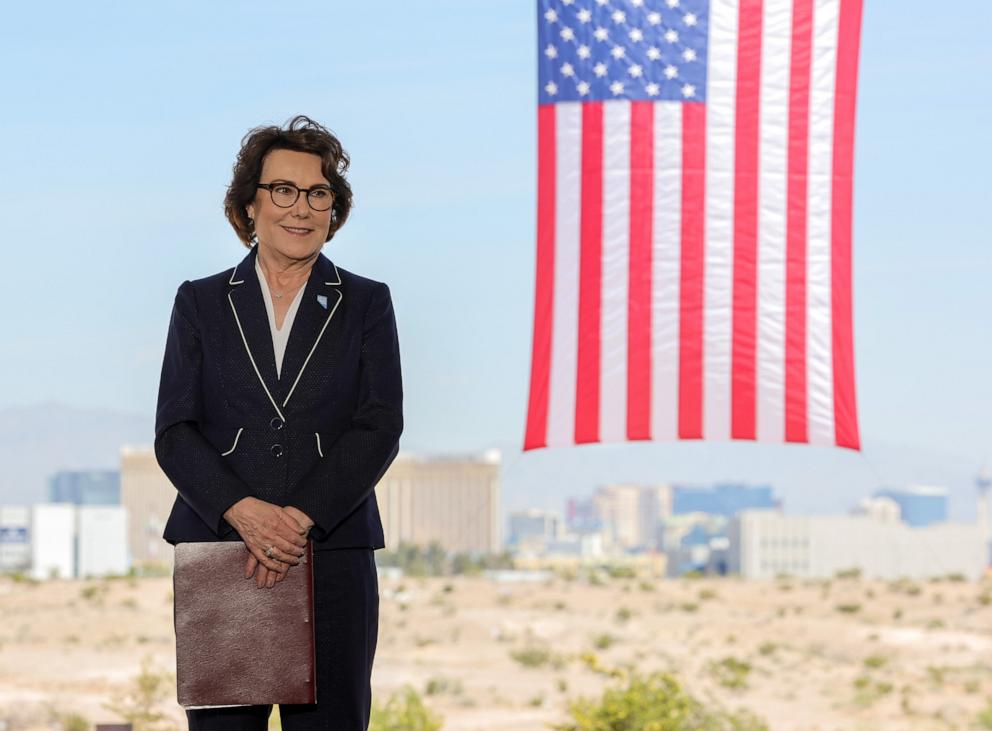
x=452 y=501
x=630 y=514
x=15 y=538
x=766 y=543
x=984 y=482
x=148 y=496
x=691 y=540
x=52 y=535
x=883 y=509
x=92 y=487
x=100 y=541
x=533 y=527
x=722 y=499
x=920 y=505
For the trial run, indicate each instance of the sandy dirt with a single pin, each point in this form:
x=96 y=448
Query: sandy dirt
x=845 y=654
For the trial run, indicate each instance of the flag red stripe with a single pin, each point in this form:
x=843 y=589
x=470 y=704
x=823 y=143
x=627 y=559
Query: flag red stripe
x=639 y=278
x=590 y=276
x=540 y=371
x=845 y=415
x=691 y=275
x=795 y=256
x=745 y=293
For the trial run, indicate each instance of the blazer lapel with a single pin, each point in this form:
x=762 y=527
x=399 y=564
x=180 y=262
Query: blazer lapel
x=321 y=301
x=252 y=324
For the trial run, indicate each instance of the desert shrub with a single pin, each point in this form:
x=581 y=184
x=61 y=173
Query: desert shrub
x=138 y=704
x=848 y=608
x=439 y=685
x=730 y=672
x=535 y=655
x=404 y=711
x=603 y=641
x=655 y=702
x=851 y=573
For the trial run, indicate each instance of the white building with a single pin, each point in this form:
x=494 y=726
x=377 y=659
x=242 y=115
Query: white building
x=53 y=540
x=765 y=543
x=101 y=540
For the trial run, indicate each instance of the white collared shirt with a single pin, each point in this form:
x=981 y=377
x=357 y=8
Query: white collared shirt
x=279 y=336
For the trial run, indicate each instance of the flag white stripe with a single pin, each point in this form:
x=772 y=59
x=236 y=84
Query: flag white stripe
x=776 y=44
x=564 y=338
x=819 y=342
x=616 y=257
x=719 y=253
x=666 y=251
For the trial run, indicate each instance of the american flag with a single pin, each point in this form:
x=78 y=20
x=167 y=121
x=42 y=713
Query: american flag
x=694 y=222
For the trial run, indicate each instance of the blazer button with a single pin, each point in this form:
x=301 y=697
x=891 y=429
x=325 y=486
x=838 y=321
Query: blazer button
x=276 y=423
x=276 y=450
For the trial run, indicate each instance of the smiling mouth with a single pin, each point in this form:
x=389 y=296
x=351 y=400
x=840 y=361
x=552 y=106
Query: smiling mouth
x=297 y=231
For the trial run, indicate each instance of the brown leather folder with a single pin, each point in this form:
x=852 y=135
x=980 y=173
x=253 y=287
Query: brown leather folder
x=237 y=644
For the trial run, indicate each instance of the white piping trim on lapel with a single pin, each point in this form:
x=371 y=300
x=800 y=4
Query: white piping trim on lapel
x=315 y=342
x=231 y=280
x=319 y=450
x=252 y=358
x=336 y=274
x=235 y=445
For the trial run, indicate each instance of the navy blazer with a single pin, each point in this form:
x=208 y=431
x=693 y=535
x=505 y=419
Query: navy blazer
x=318 y=438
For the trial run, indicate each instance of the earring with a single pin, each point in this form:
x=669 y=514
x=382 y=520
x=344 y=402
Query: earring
x=253 y=238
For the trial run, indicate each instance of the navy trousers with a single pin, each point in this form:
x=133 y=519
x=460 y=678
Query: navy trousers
x=346 y=607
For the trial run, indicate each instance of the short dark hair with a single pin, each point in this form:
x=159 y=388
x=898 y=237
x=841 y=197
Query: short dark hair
x=301 y=134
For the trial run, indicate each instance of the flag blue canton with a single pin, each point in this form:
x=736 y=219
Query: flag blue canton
x=597 y=50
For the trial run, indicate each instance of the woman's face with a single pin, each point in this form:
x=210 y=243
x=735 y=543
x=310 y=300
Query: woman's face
x=297 y=232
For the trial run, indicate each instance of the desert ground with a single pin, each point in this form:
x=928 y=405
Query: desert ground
x=826 y=655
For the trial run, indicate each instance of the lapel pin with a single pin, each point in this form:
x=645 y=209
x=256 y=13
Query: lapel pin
x=322 y=299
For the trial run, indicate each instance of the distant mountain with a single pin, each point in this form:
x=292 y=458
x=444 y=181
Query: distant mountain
x=36 y=441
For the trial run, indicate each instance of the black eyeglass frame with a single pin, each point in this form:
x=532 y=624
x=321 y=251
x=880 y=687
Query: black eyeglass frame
x=270 y=186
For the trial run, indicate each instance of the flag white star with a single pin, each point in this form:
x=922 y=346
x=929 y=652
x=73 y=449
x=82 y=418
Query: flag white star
x=601 y=34
x=551 y=51
x=583 y=87
x=635 y=70
x=583 y=51
x=654 y=18
x=617 y=87
x=671 y=72
x=619 y=16
x=567 y=2
x=567 y=33
x=584 y=15
x=673 y=3
x=551 y=87
x=653 y=89
x=636 y=35
x=671 y=36
x=654 y=54
x=689 y=19
x=688 y=90
x=689 y=54
x=618 y=52
x=637 y=3
x=599 y=69
x=551 y=16
x=601 y=3
x=567 y=70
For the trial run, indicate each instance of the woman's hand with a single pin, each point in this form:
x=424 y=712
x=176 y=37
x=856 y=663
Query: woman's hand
x=262 y=525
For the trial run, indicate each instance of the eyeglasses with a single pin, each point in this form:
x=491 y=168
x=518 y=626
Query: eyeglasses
x=285 y=195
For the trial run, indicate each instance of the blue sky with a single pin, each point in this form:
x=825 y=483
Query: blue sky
x=121 y=122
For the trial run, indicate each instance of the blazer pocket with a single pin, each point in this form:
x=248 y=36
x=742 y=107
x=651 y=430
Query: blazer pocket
x=234 y=445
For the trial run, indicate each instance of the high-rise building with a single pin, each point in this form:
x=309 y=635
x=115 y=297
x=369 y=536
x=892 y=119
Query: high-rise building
x=533 y=526
x=452 y=501
x=920 y=505
x=722 y=499
x=85 y=487
x=630 y=514
x=148 y=496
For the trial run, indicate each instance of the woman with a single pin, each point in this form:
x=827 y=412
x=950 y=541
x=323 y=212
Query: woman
x=280 y=407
